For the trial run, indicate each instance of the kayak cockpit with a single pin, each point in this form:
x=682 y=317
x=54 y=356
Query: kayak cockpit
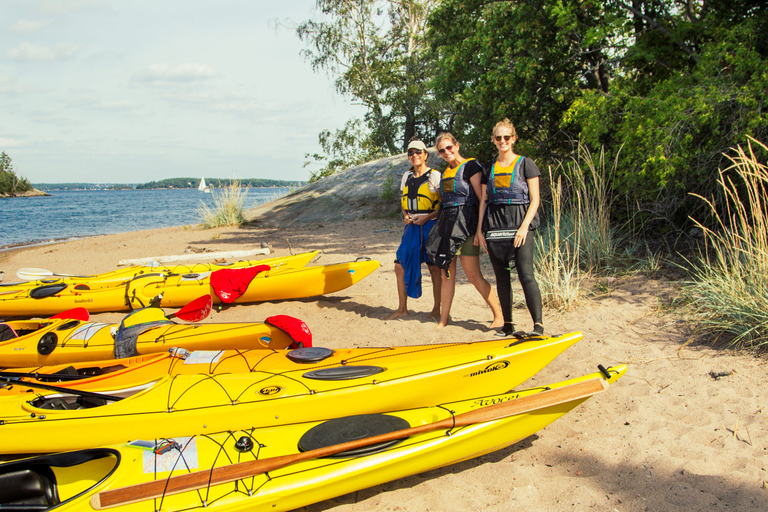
x=79 y=399
x=40 y=483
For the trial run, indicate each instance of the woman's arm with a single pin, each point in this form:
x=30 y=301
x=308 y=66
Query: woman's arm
x=479 y=237
x=533 y=193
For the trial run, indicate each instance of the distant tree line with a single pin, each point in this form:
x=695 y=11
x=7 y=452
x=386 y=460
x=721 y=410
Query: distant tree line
x=664 y=87
x=10 y=183
x=218 y=183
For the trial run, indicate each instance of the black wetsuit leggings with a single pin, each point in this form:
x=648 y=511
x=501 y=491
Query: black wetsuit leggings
x=523 y=257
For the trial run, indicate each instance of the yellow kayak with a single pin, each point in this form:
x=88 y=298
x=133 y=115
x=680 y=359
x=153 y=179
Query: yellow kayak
x=37 y=277
x=287 y=467
x=56 y=341
x=249 y=284
x=269 y=388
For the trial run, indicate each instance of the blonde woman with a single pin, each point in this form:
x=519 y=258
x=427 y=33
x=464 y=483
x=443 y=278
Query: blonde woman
x=509 y=216
x=453 y=234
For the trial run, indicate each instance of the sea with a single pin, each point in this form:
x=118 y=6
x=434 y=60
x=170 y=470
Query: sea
x=66 y=215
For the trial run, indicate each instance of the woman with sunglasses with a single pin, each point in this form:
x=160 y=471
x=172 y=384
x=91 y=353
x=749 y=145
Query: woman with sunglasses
x=456 y=225
x=420 y=202
x=509 y=213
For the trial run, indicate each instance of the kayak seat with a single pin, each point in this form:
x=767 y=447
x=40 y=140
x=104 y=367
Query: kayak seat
x=28 y=489
x=7 y=332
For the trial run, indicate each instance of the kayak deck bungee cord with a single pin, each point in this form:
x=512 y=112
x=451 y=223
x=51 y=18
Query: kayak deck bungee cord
x=238 y=389
x=234 y=286
x=290 y=466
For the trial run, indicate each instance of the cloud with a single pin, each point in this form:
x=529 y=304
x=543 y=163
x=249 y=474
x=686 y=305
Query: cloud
x=8 y=142
x=32 y=52
x=91 y=101
x=25 y=26
x=162 y=74
x=65 y=7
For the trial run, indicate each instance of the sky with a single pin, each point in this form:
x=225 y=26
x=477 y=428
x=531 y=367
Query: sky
x=131 y=91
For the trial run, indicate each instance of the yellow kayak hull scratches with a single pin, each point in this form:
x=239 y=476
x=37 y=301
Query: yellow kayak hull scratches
x=276 y=391
x=299 y=484
x=177 y=290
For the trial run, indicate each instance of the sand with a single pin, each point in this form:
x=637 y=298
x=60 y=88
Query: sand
x=668 y=437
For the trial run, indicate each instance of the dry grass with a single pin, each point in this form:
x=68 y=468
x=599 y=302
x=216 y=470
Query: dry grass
x=579 y=239
x=227 y=208
x=728 y=295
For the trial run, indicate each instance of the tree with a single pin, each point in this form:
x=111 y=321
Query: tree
x=527 y=61
x=10 y=183
x=378 y=54
x=691 y=86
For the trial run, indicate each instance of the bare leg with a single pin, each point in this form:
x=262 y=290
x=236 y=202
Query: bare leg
x=436 y=288
x=447 y=290
x=402 y=297
x=471 y=266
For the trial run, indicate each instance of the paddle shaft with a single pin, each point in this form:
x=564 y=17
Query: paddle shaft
x=38 y=376
x=60 y=389
x=238 y=471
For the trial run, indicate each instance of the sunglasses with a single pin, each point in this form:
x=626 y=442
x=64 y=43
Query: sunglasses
x=412 y=152
x=445 y=149
x=505 y=137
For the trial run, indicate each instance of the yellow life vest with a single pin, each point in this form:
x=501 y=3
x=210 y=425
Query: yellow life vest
x=417 y=197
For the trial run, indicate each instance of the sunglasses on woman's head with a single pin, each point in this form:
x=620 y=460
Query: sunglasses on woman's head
x=445 y=149
x=412 y=152
x=505 y=137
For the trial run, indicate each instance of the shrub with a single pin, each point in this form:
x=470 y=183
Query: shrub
x=728 y=294
x=227 y=206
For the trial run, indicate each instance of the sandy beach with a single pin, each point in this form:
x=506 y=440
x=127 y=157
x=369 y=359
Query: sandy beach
x=668 y=437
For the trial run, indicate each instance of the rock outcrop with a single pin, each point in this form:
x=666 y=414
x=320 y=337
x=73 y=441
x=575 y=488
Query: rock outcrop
x=364 y=191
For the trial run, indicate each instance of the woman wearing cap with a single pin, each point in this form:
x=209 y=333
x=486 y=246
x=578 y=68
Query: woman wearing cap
x=420 y=202
x=508 y=216
x=455 y=228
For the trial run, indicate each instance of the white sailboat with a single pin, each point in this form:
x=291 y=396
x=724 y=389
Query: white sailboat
x=203 y=187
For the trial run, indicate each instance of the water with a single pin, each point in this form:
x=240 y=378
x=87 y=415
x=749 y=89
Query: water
x=72 y=214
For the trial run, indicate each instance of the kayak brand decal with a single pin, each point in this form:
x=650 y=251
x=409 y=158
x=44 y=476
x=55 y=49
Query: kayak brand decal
x=493 y=367
x=485 y=402
x=82 y=301
x=270 y=390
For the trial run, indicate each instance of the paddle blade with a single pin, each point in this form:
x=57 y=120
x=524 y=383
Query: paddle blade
x=74 y=314
x=195 y=311
x=34 y=274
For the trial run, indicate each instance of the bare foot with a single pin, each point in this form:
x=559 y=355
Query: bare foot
x=434 y=314
x=441 y=325
x=397 y=314
x=497 y=322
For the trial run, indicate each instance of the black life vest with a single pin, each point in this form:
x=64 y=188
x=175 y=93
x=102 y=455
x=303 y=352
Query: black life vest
x=456 y=190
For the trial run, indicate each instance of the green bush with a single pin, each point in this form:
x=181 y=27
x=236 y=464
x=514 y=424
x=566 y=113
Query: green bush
x=728 y=295
x=227 y=207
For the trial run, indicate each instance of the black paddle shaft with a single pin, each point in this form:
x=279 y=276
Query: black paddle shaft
x=78 y=392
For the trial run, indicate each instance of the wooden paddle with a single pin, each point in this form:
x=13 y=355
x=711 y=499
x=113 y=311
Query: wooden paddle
x=238 y=471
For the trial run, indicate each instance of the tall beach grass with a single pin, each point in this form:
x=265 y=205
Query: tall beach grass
x=227 y=210
x=728 y=294
x=578 y=239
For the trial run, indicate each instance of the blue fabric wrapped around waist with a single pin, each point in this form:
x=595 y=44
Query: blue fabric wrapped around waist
x=411 y=254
